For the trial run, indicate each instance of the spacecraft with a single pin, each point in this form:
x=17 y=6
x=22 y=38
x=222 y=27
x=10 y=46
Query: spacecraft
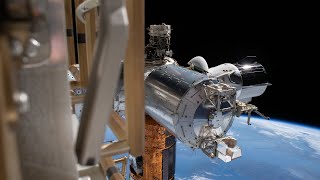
x=197 y=104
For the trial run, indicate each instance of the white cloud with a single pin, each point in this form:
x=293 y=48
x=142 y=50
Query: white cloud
x=214 y=161
x=209 y=173
x=290 y=131
x=314 y=144
x=296 y=146
x=242 y=122
x=232 y=133
x=199 y=178
x=178 y=178
x=295 y=173
x=194 y=177
x=267 y=133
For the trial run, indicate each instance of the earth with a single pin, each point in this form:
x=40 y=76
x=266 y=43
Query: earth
x=271 y=149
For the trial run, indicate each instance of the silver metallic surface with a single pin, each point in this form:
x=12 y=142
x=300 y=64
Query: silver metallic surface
x=189 y=104
x=109 y=52
x=37 y=50
x=70 y=76
x=78 y=110
x=16 y=47
x=22 y=101
x=45 y=141
x=84 y=7
x=171 y=83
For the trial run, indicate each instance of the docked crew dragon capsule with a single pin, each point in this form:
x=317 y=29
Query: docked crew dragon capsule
x=249 y=78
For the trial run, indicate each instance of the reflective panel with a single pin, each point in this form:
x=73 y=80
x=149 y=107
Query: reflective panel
x=252 y=74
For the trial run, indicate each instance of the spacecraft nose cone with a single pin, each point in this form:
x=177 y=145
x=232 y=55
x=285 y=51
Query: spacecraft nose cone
x=199 y=62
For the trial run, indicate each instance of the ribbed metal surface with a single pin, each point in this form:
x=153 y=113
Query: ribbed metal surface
x=174 y=80
x=175 y=98
x=165 y=88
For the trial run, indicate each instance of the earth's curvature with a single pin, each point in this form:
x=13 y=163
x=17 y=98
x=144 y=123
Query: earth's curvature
x=271 y=149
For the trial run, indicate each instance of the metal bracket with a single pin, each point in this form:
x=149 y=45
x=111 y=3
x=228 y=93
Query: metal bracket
x=84 y=7
x=248 y=108
x=110 y=50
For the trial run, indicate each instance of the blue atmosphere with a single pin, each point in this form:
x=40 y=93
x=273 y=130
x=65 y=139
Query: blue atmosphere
x=271 y=149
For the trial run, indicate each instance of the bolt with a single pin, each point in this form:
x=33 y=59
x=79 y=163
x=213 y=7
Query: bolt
x=16 y=47
x=32 y=49
x=22 y=101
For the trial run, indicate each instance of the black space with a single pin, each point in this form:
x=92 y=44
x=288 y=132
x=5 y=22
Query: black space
x=283 y=37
